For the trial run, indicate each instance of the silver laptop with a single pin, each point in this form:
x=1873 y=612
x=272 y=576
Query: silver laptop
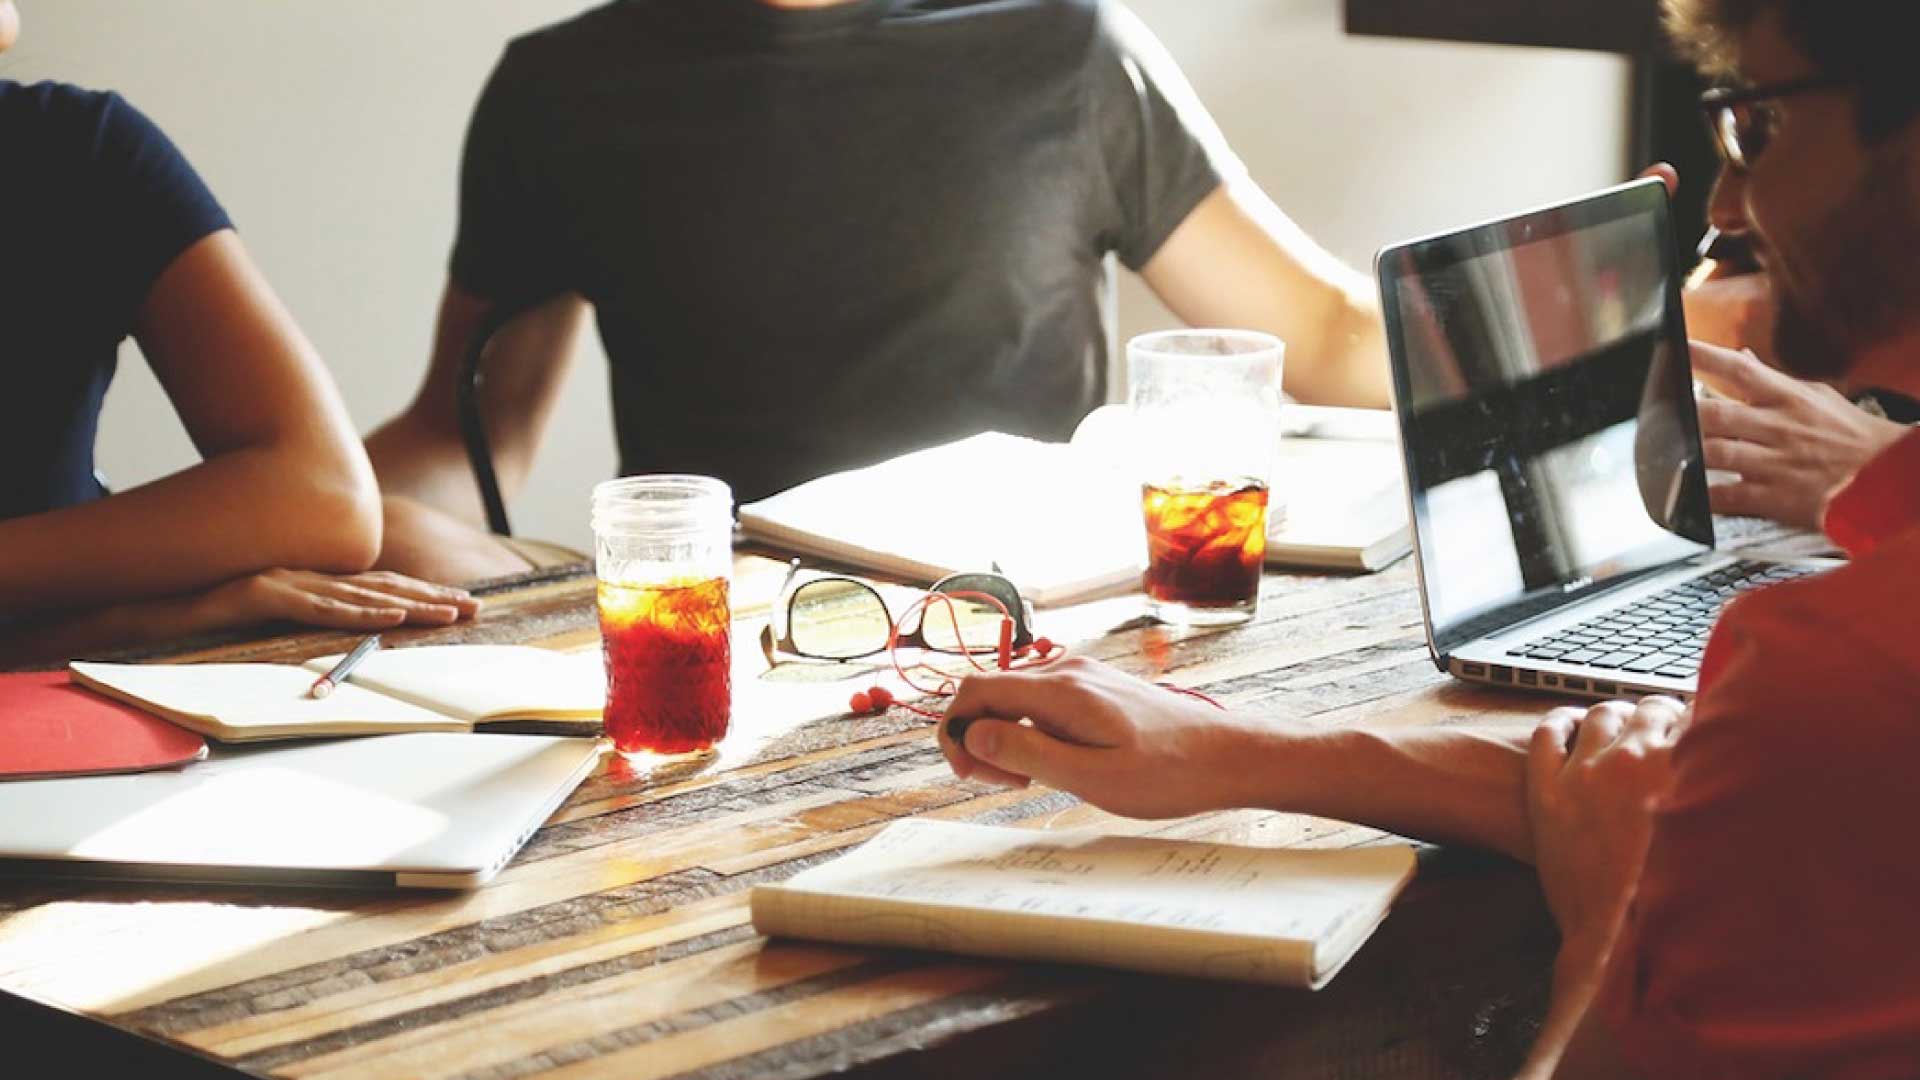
x=1562 y=531
x=429 y=810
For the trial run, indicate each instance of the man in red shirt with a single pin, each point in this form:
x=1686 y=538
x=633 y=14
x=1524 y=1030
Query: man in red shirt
x=1734 y=883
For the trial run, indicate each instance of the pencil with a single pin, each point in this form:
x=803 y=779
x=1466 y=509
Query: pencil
x=324 y=685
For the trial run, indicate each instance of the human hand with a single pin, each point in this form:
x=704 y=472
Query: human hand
x=1734 y=311
x=1728 y=307
x=1792 y=442
x=1665 y=173
x=1593 y=779
x=375 y=600
x=1127 y=746
x=370 y=601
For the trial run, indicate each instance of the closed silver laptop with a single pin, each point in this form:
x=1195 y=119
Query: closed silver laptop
x=434 y=810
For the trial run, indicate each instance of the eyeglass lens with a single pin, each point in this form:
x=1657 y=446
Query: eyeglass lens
x=837 y=619
x=979 y=621
x=841 y=619
x=1743 y=130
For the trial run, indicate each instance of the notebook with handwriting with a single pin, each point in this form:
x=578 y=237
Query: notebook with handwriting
x=431 y=688
x=1175 y=907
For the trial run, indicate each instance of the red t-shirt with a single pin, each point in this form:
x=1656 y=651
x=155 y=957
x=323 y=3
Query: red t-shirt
x=1776 y=929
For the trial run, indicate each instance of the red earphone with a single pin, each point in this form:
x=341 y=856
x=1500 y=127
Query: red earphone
x=877 y=698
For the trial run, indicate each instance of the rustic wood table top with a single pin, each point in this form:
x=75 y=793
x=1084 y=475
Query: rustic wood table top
x=617 y=944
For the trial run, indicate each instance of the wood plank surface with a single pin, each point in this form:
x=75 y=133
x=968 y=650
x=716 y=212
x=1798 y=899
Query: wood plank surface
x=617 y=944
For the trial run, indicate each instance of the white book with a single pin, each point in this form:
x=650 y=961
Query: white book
x=1339 y=500
x=1064 y=520
x=1338 y=497
x=1060 y=526
x=430 y=688
x=1176 y=907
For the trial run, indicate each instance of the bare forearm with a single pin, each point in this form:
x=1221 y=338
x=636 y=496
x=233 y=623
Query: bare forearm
x=235 y=514
x=1354 y=369
x=1238 y=261
x=61 y=637
x=1337 y=346
x=428 y=466
x=1459 y=786
x=422 y=453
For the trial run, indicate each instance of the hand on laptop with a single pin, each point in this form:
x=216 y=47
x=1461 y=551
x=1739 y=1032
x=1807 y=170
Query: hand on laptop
x=1592 y=778
x=1791 y=441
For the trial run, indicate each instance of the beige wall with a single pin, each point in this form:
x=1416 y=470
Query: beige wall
x=332 y=130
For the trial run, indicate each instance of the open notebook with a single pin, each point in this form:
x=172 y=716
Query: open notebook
x=1060 y=527
x=1176 y=907
x=432 y=688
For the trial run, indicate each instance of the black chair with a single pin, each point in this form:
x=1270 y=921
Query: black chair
x=472 y=429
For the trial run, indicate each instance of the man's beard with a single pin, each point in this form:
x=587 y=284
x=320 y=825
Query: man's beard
x=1859 y=279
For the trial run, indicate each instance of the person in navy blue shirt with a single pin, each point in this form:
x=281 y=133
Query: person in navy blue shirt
x=107 y=233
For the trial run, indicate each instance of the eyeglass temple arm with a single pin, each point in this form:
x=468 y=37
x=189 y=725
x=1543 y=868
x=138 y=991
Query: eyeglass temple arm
x=779 y=612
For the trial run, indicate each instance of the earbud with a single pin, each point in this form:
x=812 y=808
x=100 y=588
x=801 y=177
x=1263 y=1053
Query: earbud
x=875 y=699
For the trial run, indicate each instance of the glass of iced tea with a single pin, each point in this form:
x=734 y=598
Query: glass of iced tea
x=663 y=548
x=1206 y=425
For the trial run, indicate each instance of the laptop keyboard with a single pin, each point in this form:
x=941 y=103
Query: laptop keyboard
x=1663 y=634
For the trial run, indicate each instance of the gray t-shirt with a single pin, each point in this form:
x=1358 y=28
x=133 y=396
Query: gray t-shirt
x=818 y=238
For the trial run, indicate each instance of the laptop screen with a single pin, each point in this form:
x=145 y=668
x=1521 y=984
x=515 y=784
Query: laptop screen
x=1546 y=408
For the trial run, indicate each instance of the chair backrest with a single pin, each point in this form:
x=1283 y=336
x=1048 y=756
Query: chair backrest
x=472 y=429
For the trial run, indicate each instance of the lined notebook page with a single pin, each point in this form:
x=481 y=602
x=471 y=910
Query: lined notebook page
x=254 y=701
x=1184 y=907
x=482 y=682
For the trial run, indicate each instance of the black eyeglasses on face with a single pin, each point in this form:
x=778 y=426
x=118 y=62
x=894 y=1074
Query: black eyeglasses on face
x=1742 y=119
x=842 y=618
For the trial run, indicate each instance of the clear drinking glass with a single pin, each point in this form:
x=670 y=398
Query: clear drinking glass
x=663 y=548
x=1206 y=424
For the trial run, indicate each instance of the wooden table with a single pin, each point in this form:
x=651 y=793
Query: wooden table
x=617 y=943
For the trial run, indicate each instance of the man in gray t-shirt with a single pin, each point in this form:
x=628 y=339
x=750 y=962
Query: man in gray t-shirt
x=815 y=237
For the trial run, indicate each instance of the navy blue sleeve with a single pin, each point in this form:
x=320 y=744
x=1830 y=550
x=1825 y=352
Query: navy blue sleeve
x=148 y=204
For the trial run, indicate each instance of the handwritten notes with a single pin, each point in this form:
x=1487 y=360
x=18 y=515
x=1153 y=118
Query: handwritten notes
x=1162 y=905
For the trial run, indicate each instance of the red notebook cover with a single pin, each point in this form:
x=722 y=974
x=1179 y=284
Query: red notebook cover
x=49 y=728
